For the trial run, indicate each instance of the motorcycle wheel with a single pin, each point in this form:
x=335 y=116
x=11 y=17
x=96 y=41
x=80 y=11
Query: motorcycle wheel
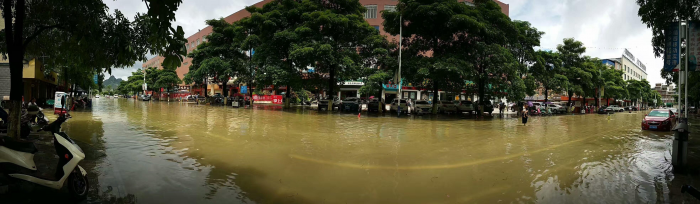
x=78 y=185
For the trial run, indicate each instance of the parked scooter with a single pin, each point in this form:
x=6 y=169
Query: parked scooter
x=17 y=162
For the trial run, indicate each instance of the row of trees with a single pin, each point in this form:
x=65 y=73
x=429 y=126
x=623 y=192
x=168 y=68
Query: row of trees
x=81 y=38
x=445 y=44
x=156 y=79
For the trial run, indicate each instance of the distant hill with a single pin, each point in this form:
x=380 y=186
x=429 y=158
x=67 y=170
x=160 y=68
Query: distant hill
x=112 y=81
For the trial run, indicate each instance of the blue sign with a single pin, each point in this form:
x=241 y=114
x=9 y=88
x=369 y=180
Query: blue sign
x=671 y=55
x=95 y=78
x=244 y=89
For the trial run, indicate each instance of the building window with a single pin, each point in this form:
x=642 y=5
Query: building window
x=390 y=7
x=376 y=27
x=371 y=11
x=468 y=3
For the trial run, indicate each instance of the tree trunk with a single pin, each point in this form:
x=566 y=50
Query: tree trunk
x=331 y=83
x=435 y=97
x=568 y=104
x=288 y=95
x=14 y=35
x=481 y=93
x=225 y=92
x=546 y=94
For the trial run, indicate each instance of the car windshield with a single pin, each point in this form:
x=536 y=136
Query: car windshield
x=657 y=113
x=350 y=100
x=422 y=102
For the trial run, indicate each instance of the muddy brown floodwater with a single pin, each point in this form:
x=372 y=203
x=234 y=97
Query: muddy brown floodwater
x=162 y=152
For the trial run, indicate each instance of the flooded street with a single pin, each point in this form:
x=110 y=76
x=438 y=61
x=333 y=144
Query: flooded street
x=162 y=152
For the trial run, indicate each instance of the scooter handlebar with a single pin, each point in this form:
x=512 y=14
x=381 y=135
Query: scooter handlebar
x=55 y=126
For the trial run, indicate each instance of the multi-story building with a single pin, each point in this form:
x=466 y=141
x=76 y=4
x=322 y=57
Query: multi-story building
x=667 y=92
x=372 y=16
x=632 y=67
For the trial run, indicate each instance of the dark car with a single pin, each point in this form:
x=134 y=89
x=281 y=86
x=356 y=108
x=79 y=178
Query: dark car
x=375 y=105
x=351 y=104
x=323 y=103
x=605 y=110
x=633 y=108
x=217 y=98
x=659 y=119
x=488 y=107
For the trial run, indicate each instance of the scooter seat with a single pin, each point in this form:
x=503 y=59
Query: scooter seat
x=17 y=145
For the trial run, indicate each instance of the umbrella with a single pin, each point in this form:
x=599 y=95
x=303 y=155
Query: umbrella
x=529 y=103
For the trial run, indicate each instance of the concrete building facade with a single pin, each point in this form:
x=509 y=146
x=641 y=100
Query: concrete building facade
x=668 y=94
x=632 y=67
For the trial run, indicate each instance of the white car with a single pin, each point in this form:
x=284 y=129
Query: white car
x=556 y=108
x=395 y=105
x=97 y=96
x=465 y=106
x=446 y=107
x=615 y=108
x=422 y=107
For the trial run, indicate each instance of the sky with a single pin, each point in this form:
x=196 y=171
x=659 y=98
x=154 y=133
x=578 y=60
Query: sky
x=605 y=27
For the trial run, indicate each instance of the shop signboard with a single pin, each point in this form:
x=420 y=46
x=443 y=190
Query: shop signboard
x=694 y=46
x=671 y=55
x=274 y=99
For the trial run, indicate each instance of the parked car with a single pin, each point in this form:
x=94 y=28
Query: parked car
x=615 y=108
x=488 y=107
x=375 y=105
x=351 y=104
x=556 y=108
x=633 y=108
x=394 y=106
x=97 y=96
x=446 y=107
x=659 y=119
x=323 y=103
x=422 y=107
x=217 y=98
x=117 y=95
x=465 y=106
x=605 y=110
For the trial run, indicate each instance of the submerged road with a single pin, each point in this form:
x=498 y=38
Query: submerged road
x=160 y=152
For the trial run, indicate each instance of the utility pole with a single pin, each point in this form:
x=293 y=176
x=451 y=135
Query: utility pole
x=400 y=48
x=685 y=81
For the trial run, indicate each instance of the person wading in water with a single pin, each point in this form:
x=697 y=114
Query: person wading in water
x=525 y=115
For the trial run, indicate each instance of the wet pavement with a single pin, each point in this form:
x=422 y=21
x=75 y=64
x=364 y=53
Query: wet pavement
x=160 y=152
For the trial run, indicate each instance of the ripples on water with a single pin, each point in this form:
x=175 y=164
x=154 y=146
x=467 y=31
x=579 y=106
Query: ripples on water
x=163 y=152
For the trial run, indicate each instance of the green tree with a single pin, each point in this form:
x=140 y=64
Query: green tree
x=571 y=55
x=523 y=47
x=495 y=70
x=336 y=40
x=277 y=25
x=430 y=30
x=167 y=79
x=547 y=71
x=81 y=38
x=615 y=85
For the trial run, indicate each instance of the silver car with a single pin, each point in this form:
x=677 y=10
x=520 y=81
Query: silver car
x=422 y=107
x=446 y=107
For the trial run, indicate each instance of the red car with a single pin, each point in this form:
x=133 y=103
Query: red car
x=659 y=119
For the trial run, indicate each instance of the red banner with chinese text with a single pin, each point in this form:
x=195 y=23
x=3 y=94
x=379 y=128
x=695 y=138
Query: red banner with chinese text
x=274 y=99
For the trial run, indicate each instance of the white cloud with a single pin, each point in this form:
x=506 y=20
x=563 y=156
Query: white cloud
x=604 y=26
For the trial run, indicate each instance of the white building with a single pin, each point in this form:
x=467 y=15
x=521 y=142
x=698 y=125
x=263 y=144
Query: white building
x=632 y=67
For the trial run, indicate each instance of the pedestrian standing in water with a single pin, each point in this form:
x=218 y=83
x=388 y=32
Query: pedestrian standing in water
x=525 y=115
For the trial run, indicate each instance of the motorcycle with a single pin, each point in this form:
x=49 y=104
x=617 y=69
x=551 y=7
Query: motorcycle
x=17 y=162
